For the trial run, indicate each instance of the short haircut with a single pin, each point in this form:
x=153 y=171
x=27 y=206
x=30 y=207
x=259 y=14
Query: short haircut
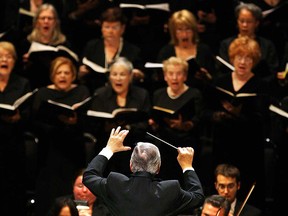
x=227 y=170
x=173 y=60
x=245 y=46
x=79 y=172
x=113 y=14
x=123 y=62
x=62 y=202
x=145 y=157
x=8 y=46
x=254 y=9
x=219 y=202
x=59 y=61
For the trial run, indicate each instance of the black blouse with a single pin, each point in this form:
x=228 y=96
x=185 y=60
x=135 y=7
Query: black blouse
x=95 y=51
x=204 y=58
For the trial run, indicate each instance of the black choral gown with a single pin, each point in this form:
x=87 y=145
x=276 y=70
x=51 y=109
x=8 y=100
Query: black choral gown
x=12 y=148
x=204 y=58
x=106 y=101
x=61 y=146
x=240 y=139
x=191 y=111
x=94 y=51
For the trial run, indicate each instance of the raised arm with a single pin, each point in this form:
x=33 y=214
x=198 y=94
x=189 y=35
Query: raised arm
x=185 y=157
x=115 y=142
x=93 y=175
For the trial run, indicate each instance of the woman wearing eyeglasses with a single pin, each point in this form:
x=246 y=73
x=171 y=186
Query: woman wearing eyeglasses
x=47 y=34
x=249 y=17
x=12 y=127
x=239 y=122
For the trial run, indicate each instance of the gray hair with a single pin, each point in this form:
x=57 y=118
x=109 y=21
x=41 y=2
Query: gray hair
x=254 y=9
x=122 y=61
x=173 y=60
x=145 y=157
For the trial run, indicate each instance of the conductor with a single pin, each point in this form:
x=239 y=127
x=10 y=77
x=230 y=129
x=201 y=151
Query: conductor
x=142 y=194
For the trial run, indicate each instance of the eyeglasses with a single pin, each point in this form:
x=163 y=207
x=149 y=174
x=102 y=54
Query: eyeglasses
x=246 y=59
x=7 y=57
x=46 y=17
x=228 y=186
x=181 y=30
x=114 y=28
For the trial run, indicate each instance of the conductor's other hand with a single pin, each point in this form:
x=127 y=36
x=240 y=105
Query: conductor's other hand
x=115 y=142
x=185 y=157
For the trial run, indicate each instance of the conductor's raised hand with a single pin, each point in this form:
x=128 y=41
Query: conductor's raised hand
x=115 y=142
x=185 y=157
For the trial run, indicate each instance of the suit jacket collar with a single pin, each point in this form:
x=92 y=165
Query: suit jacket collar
x=143 y=174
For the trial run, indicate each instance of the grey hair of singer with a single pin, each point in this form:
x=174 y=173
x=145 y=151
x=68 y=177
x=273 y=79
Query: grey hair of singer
x=254 y=9
x=145 y=157
x=123 y=62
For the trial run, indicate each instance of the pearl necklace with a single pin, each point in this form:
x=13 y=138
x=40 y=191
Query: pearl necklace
x=173 y=96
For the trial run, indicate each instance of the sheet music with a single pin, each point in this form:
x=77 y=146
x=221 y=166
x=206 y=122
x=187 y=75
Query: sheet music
x=225 y=63
x=94 y=66
x=26 y=12
x=153 y=65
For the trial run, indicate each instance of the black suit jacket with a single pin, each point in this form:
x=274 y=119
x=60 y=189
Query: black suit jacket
x=248 y=210
x=141 y=194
